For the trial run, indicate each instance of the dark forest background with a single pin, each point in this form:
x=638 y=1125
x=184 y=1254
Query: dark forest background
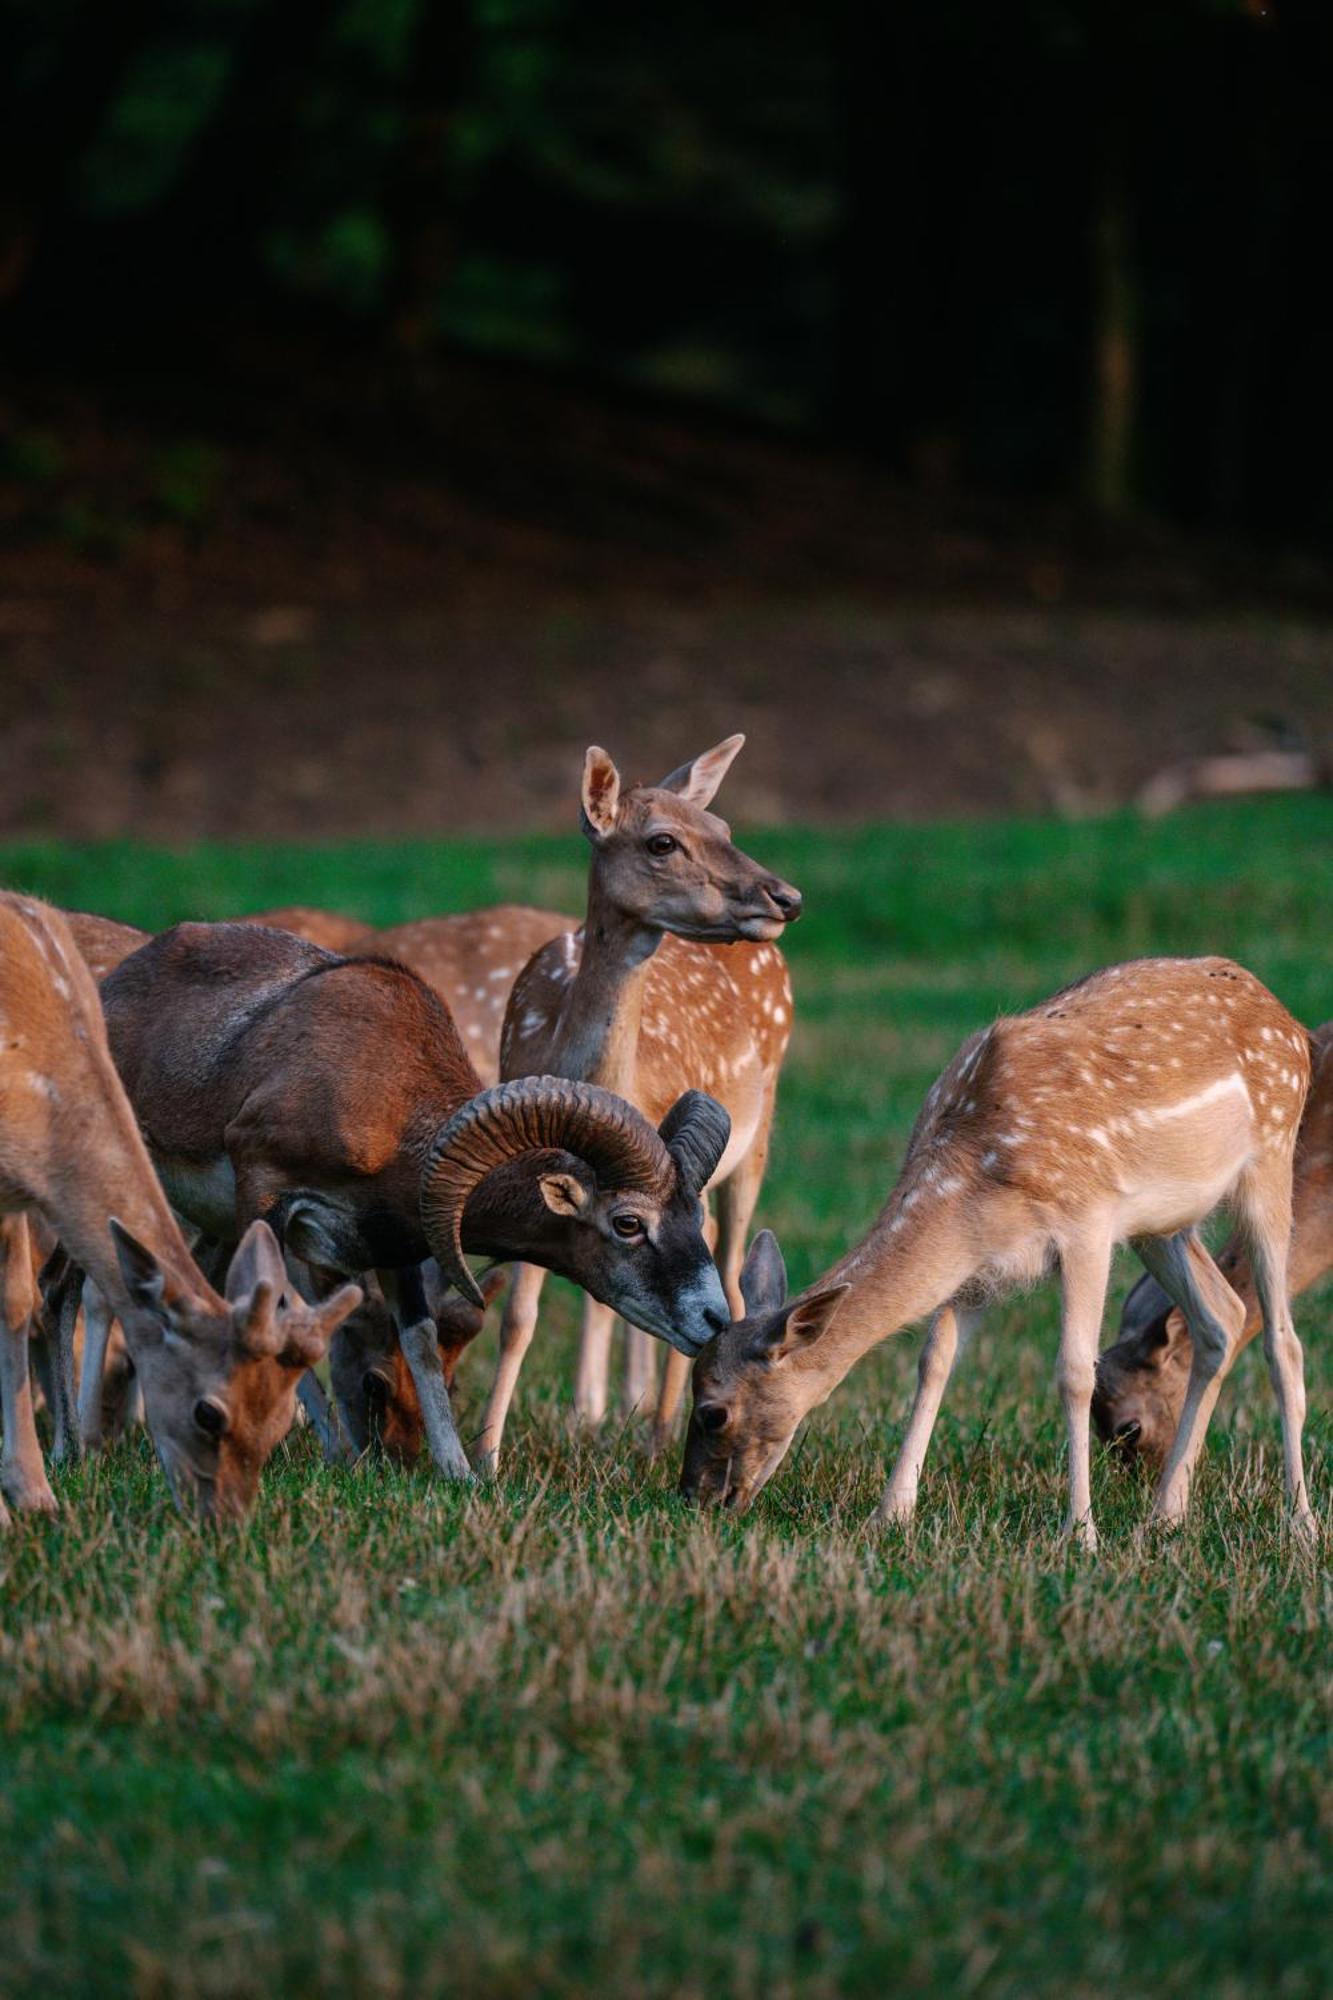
x=971 y=301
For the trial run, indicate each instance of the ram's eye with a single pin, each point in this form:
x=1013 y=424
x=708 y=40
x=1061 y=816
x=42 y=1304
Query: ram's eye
x=713 y=1416
x=663 y=843
x=210 y=1417
x=627 y=1226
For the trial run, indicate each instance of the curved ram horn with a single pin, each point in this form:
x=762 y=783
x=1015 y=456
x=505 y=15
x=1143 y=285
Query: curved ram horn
x=695 y=1132
x=532 y=1114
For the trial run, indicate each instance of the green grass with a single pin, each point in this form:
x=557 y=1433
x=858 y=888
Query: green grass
x=564 y=1737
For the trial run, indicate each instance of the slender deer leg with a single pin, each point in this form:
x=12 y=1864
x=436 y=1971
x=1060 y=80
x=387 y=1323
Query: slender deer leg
x=1216 y=1317
x=67 y=1443
x=949 y=1331
x=590 y=1377
x=97 y=1317
x=1085 y=1267
x=516 y=1331
x=1268 y=1218
x=421 y=1350
x=640 y=1383
x=22 y=1475
x=323 y=1422
x=724 y=1233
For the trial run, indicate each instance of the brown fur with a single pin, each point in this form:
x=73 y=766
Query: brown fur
x=1142 y=1379
x=672 y=983
x=1127 y=1106
x=471 y=959
x=70 y=1150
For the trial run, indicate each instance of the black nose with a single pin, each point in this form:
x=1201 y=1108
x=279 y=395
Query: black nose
x=788 y=900
x=1128 y=1433
x=716 y=1318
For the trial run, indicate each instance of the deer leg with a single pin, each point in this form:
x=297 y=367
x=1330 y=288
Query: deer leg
x=725 y=1237
x=67 y=1443
x=23 y=1477
x=590 y=1376
x=640 y=1371
x=406 y=1297
x=1267 y=1206
x=1084 y=1270
x=320 y=1417
x=516 y=1330
x=97 y=1317
x=949 y=1331
x=1215 y=1317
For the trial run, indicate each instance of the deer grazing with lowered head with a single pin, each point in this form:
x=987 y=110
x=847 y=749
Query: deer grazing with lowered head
x=672 y=983
x=1142 y=1378
x=333 y=1097
x=1126 y=1108
x=218 y=1373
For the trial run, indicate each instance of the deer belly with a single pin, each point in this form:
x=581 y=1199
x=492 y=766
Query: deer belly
x=1183 y=1168
x=203 y=1191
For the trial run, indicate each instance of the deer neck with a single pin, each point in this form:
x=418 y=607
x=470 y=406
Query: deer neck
x=599 y=1023
x=913 y=1261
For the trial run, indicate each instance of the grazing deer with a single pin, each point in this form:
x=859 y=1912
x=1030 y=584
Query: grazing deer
x=372 y=1384
x=1125 y=1108
x=652 y=996
x=472 y=959
x=333 y=1097
x=1142 y=1379
x=218 y=1374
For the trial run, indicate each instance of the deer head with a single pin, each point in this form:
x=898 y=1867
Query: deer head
x=1142 y=1379
x=219 y=1376
x=751 y=1388
x=570 y=1176
x=372 y=1382
x=664 y=861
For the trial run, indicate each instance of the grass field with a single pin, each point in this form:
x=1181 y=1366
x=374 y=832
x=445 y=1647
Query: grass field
x=561 y=1736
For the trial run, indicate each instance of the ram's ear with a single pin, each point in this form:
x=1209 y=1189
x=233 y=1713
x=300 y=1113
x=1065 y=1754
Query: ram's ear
x=564 y=1194
x=601 y=793
x=764 y=1276
x=697 y=782
x=798 y=1327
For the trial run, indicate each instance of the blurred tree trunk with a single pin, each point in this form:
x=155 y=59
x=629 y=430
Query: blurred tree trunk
x=1115 y=340
x=418 y=206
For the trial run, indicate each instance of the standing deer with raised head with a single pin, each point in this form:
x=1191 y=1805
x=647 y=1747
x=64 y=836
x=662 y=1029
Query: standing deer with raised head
x=218 y=1374
x=1142 y=1379
x=332 y=1096
x=672 y=983
x=1124 y=1109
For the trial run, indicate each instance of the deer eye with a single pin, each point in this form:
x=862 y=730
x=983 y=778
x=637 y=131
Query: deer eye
x=209 y=1417
x=662 y=843
x=712 y=1416
x=627 y=1226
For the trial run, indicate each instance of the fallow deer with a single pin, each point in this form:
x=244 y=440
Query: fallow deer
x=1125 y=1108
x=472 y=959
x=333 y=1097
x=327 y=927
x=1142 y=1379
x=673 y=982
x=218 y=1374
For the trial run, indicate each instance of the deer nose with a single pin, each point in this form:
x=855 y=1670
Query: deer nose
x=1127 y=1435
x=788 y=900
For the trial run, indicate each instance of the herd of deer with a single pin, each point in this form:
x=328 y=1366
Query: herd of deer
x=231 y=1152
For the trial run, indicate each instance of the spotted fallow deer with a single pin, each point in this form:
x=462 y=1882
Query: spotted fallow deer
x=472 y=959
x=673 y=982
x=1142 y=1379
x=218 y=1374
x=332 y=1097
x=1126 y=1108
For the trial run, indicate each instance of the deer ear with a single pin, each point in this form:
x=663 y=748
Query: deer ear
x=697 y=782
x=764 y=1276
x=601 y=793
x=257 y=1261
x=145 y=1280
x=564 y=1194
x=802 y=1324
